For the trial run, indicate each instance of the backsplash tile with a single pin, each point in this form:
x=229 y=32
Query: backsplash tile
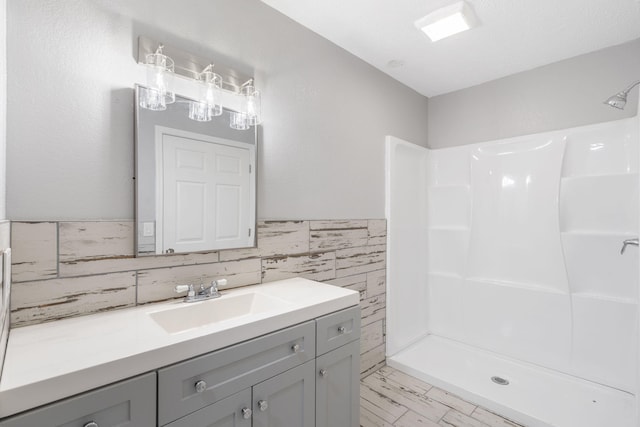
x=320 y=267
x=45 y=300
x=373 y=309
x=377 y=231
x=83 y=267
x=356 y=283
x=158 y=284
x=74 y=268
x=376 y=283
x=93 y=240
x=335 y=224
x=360 y=260
x=332 y=235
x=371 y=336
x=34 y=248
x=276 y=238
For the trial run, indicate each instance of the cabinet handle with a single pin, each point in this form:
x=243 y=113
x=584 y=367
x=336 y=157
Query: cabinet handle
x=91 y=424
x=246 y=413
x=201 y=386
x=342 y=330
x=324 y=373
x=262 y=405
x=296 y=348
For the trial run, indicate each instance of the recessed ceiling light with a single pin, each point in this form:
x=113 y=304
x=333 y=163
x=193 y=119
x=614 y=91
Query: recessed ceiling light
x=447 y=21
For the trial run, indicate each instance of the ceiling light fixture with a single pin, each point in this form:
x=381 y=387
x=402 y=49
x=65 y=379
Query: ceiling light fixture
x=447 y=21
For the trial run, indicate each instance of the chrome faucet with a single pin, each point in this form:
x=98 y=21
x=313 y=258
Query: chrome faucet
x=625 y=243
x=202 y=293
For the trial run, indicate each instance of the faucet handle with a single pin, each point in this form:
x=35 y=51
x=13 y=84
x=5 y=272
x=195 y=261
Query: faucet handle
x=213 y=291
x=181 y=288
x=185 y=288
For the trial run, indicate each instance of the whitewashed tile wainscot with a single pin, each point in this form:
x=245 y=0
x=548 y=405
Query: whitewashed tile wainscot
x=73 y=268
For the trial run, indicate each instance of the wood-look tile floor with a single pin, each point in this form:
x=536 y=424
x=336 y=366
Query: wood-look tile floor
x=390 y=398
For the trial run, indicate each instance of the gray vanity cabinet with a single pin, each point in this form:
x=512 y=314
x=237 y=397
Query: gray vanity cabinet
x=286 y=400
x=130 y=403
x=305 y=375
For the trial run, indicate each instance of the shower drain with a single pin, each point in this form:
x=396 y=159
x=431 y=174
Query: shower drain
x=500 y=380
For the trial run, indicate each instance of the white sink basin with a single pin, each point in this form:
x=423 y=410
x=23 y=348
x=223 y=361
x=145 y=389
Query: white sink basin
x=227 y=307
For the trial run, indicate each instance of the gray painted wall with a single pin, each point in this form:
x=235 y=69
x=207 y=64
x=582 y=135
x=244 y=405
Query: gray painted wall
x=71 y=70
x=3 y=106
x=565 y=94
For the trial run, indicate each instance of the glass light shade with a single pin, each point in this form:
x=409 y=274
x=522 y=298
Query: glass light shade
x=199 y=111
x=160 y=70
x=152 y=99
x=252 y=105
x=211 y=92
x=238 y=121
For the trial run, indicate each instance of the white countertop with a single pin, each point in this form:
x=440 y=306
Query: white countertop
x=51 y=361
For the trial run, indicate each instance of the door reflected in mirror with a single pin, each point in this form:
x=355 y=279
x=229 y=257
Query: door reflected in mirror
x=195 y=182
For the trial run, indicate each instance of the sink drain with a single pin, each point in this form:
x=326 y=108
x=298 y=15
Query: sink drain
x=500 y=380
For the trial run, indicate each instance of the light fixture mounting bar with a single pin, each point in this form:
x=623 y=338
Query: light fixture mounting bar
x=190 y=65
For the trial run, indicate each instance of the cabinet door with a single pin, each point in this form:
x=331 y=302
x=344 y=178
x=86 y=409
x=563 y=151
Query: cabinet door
x=130 y=403
x=234 y=411
x=286 y=400
x=338 y=387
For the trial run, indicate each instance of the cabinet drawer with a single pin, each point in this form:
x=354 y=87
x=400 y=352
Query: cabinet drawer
x=196 y=383
x=129 y=403
x=337 y=329
x=225 y=413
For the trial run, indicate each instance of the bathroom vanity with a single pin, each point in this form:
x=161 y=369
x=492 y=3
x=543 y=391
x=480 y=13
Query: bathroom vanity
x=280 y=354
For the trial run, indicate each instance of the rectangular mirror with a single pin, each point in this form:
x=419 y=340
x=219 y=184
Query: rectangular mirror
x=195 y=181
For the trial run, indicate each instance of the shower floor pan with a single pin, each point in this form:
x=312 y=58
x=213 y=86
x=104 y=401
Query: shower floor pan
x=535 y=396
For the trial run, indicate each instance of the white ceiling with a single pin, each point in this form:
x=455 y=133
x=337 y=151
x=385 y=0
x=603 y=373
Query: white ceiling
x=513 y=35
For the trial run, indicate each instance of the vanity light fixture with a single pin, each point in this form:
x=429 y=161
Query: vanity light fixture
x=158 y=92
x=447 y=21
x=211 y=89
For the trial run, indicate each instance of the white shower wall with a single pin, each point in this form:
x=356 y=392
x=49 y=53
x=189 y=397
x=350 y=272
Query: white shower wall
x=406 y=211
x=523 y=255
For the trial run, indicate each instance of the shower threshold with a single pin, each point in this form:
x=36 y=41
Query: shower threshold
x=525 y=393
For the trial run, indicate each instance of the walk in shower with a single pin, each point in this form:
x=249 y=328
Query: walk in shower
x=507 y=280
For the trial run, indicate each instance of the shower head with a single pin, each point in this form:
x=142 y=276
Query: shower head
x=619 y=100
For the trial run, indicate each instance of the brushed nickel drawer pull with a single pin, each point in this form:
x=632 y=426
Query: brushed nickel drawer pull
x=201 y=386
